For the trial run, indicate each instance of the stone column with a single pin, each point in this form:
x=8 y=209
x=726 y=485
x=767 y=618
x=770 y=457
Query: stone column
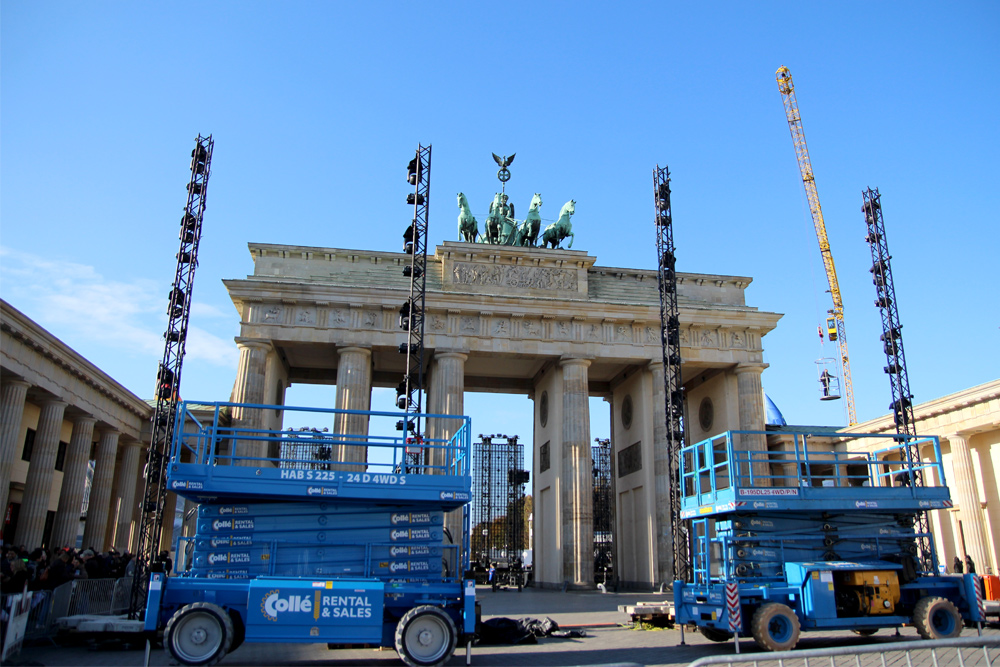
x=169 y=514
x=124 y=493
x=751 y=400
x=354 y=392
x=577 y=479
x=661 y=470
x=967 y=500
x=74 y=483
x=12 y=398
x=95 y=530
x=38 y=484
x=446 y=396
x=249 y=388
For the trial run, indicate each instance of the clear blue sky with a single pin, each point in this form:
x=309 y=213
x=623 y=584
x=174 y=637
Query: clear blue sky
x=316 y=108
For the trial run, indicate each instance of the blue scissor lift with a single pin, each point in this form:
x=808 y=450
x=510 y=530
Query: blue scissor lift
x=297 y=546
x=809 y=536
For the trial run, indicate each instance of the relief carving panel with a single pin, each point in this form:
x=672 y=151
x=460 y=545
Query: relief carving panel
x=522 y=277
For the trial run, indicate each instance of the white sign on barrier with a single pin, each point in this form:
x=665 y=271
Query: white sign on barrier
x=17 y=623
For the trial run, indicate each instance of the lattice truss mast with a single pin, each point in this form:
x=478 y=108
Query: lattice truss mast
x=168 y=376
x=409 y=392
x=892 y=344
x=670 y=339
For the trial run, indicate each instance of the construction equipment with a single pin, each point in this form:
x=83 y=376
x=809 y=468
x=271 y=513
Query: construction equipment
x=168 y=376
x=823 y=540
x=676 y=539
x=296 y=547
x=836 y=327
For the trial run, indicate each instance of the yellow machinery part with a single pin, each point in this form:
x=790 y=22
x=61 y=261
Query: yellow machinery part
x=877 y=591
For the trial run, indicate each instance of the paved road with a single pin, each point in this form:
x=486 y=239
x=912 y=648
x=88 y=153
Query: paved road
x=607 y=641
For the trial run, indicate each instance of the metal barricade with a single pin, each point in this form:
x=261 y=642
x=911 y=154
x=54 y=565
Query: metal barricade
x=961 y=652
x=103 y=597
x=46 y=607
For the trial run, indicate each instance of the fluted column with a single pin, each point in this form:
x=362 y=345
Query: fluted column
x=38 y=484
x=169 y=514
x=124 y=493
x=446 y=396
x=661 y=470
x=249 y=388
x=751 y=401
x=354 y=391
x=67 y=523
x=12 y=397
x=96 y=529
x=577 y=477
x=967 y=496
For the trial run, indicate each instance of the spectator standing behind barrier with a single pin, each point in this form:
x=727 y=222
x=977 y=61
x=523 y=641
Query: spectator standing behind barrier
x=957 y=565
x=970 y=566
x=14 y=583
x=91 y=565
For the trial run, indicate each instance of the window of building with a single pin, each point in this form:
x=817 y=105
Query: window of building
x=61 y=456
x=29 y=445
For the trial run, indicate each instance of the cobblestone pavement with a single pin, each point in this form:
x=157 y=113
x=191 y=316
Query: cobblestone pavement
x=607 y=642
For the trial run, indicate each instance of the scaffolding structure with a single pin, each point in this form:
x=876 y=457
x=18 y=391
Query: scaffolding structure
x=604 y=512
x=892 y=345
x=168 y=376
x=498 y=501
x=670 y=340
x=410 y=391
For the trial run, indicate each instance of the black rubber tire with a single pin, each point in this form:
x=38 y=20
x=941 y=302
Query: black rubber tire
x=937 y=618
x=775 y=627
x=239 y=630
x=864 y=632
x=198 y=634
x=715 y=635
x=425 y=637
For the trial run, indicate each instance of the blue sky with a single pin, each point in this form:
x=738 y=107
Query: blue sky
x=316 y=107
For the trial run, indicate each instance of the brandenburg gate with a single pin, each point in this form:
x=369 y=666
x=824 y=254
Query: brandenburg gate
x=549 y=324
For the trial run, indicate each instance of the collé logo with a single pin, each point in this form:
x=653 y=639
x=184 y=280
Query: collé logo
x=273 y=604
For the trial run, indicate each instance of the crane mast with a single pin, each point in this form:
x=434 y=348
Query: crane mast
x=787 y=88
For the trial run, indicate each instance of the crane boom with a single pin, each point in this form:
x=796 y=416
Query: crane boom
x=787 y=88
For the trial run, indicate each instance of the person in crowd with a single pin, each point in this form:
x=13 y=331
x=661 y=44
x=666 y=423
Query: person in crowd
x=18 y=578
x=970 y=566
x=957 y=565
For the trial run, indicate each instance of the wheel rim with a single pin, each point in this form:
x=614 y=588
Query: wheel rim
x=943 y=622
x=197 y=637
x=780 y=629
x=427 y=638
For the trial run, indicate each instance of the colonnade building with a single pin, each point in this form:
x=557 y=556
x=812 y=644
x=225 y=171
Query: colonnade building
x=68 y=432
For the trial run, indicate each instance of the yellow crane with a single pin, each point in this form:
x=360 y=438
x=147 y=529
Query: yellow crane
x=835 y=323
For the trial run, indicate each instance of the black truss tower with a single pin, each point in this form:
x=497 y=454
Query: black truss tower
x=168 y=376
x=604 y=512
x=409 y=392
x=498 y=480
x=892 y=344
x=670 y=339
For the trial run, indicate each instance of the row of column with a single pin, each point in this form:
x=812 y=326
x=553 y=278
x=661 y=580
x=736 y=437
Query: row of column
x=111 y=495
x=966 y=496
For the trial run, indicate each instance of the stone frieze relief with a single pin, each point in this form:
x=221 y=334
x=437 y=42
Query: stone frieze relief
x=522 y=277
